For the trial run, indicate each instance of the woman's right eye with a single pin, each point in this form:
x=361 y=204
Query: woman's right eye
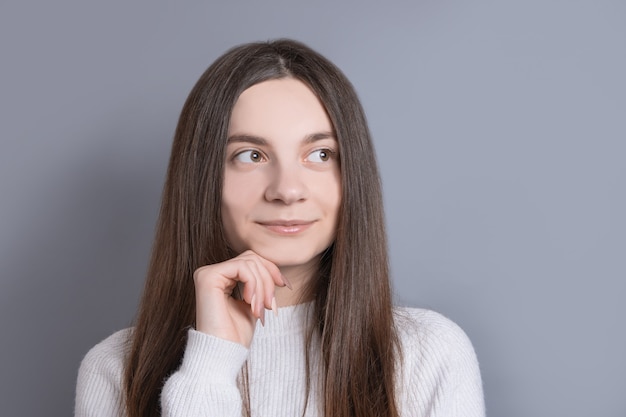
x=249 y=156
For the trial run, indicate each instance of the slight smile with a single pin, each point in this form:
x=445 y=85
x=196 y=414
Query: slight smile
x=287 y=227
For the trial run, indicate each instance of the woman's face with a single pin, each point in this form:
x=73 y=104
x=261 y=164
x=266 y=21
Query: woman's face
x=282 y=185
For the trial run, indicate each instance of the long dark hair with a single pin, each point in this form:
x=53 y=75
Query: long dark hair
x=353 y=315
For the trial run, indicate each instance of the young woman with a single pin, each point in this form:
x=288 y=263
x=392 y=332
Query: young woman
x=272 y=203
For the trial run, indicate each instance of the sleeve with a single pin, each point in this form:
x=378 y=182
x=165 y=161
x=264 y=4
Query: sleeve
x=204 y=385
x=206 y=382
x=443 y=377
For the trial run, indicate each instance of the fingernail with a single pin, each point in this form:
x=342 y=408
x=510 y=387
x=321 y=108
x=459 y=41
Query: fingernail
x=252 y=303
x=286 y=281
x=262 y=317
x=274 y=308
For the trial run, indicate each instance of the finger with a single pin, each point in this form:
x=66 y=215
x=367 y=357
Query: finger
x=269 y=285
x=277 y=277
x=224 y=277
x=272 y=277
x=249 y=277
x=259 y=290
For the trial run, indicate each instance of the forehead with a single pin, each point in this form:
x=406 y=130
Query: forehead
x=276 y=107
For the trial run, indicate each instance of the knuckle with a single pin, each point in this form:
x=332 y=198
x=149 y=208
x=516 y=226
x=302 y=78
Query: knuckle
x=247 y=253
x=198 y=273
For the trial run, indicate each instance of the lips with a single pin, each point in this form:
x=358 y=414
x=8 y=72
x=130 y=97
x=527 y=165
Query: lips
x=287 y=227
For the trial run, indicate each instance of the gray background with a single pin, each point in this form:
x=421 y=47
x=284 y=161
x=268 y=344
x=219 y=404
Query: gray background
x=500 y=129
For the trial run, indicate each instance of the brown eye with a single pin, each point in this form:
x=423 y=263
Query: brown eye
x=255 y=156
x=320 y=155
x=249 y=156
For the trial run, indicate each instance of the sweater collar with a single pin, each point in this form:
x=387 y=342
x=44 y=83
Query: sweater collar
x=290 y=320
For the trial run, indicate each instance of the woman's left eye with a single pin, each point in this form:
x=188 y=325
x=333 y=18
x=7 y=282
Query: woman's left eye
x=320 y=155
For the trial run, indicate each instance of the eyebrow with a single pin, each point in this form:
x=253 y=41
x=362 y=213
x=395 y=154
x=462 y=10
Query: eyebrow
x=259 y=141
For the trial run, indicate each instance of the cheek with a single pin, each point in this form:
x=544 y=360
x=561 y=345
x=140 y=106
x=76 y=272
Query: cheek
x=234 y=192
x=231 y=206
x=239 y=196
x=228 y=196
x=228 y=220
x=336 y=192
x=233 y=215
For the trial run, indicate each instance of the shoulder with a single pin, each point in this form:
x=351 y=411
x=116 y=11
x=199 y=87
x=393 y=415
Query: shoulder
x=429 y=330
x=110 y=352
x=105 y=361
x=439 y=365
x=100 y=377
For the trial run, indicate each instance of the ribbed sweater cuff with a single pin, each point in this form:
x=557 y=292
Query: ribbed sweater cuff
x=209 y=357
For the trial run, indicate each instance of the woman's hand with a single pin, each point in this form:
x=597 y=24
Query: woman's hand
x=218 y=313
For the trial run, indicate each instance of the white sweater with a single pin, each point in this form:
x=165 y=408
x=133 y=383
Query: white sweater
x=438 y=378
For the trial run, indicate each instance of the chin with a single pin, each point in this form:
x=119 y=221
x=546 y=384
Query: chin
x=290 y=257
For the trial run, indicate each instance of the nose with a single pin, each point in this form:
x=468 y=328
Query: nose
x=287 y=185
